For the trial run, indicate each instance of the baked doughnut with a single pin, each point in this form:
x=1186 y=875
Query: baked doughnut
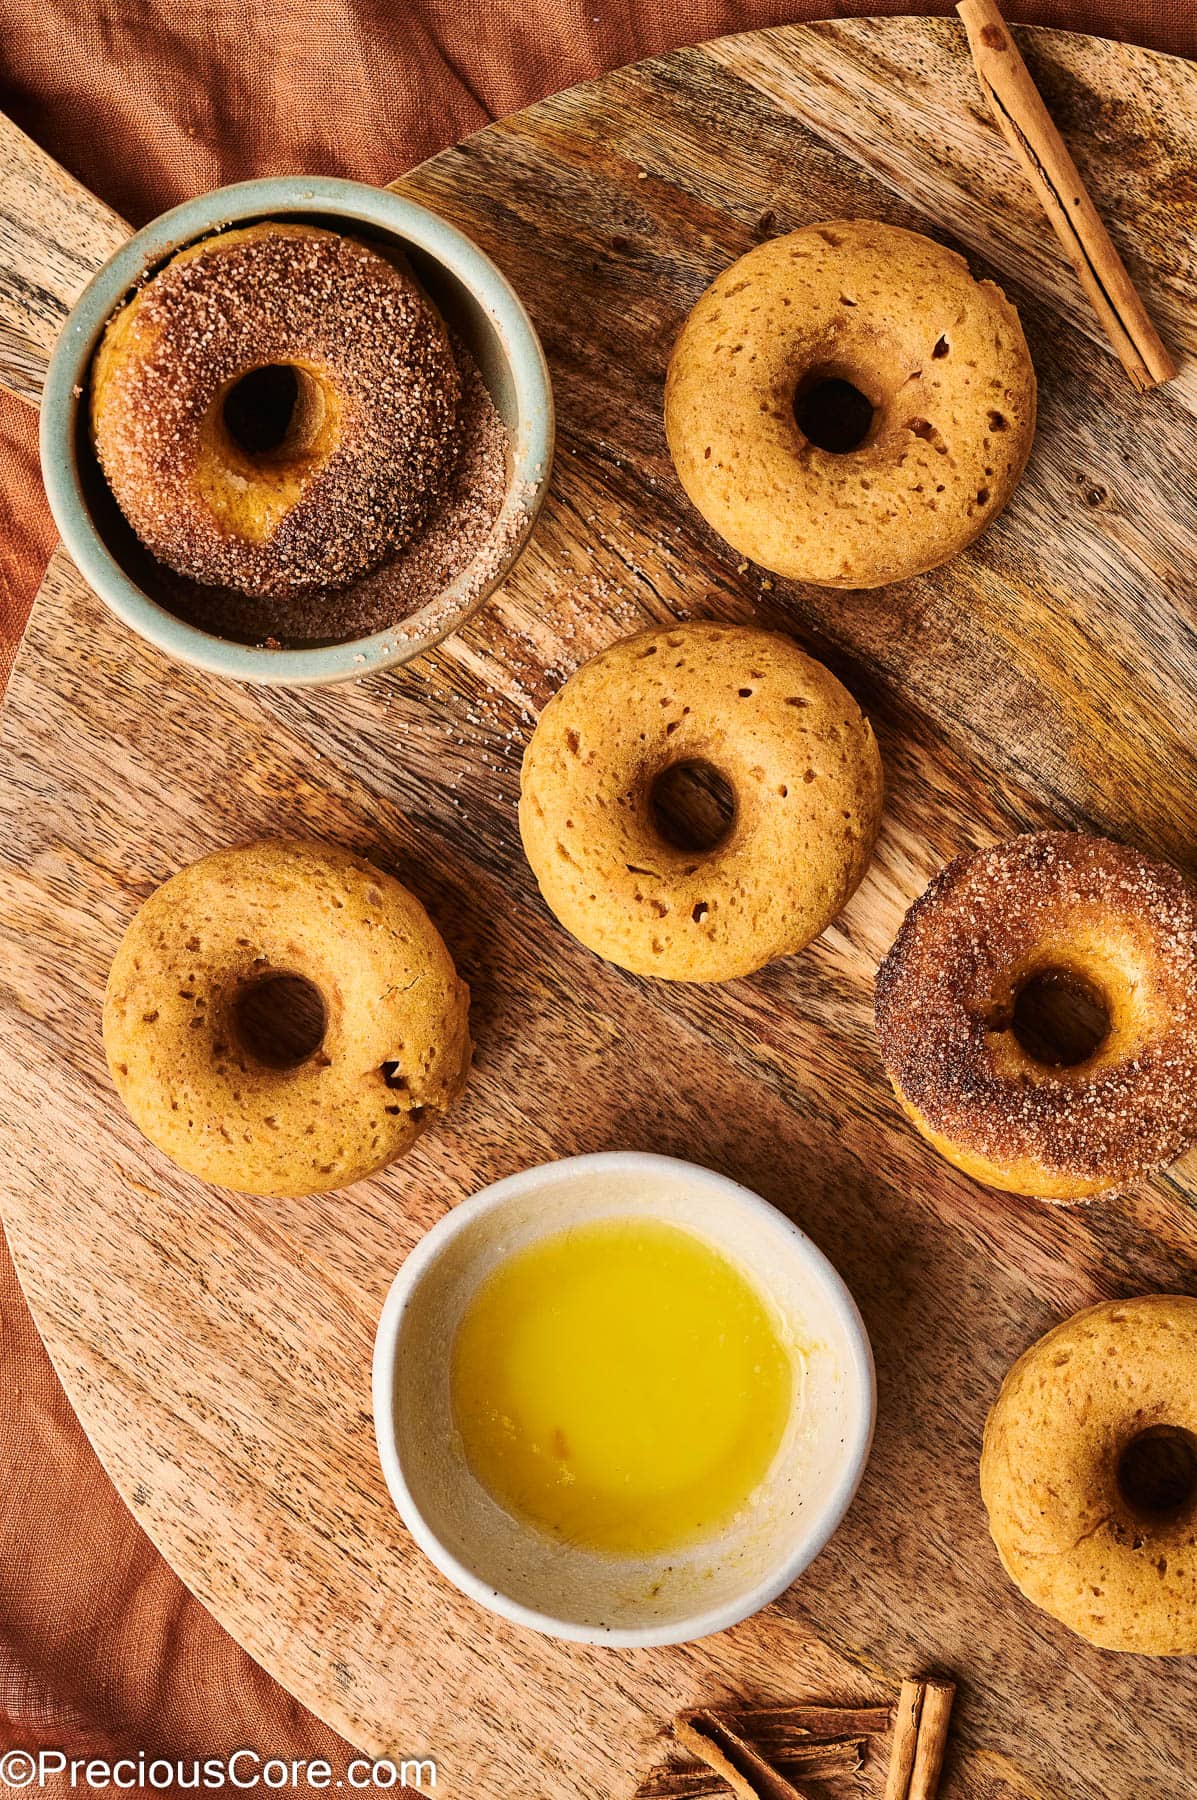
x=1053 y=917
x=289 y=1103
x=275 y=409
x=725 y=704
x=847 y=406
x=1089 y=1474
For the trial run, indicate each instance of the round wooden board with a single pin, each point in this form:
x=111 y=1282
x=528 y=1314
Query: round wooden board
x=216 y=1347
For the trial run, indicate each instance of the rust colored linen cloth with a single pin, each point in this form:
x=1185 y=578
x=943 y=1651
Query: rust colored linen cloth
x=102 y=1650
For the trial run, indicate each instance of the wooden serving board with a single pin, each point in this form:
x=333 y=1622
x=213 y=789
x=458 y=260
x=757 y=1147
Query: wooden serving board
x=217 y=1348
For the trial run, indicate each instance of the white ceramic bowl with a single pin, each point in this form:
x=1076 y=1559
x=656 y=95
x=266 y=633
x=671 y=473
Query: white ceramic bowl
x=602 y=1598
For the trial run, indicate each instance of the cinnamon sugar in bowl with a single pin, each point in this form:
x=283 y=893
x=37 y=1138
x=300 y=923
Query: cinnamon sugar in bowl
x=417 y=594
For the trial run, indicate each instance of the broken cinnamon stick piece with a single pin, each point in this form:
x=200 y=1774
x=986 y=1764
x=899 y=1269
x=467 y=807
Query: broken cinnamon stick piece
x=844 y=1754
x=905 y=1744
x=938 y=1696
x=672 y=1781
x=834 y=1763
x=767 y=1725
x=1027 y=127
x=746 y=1773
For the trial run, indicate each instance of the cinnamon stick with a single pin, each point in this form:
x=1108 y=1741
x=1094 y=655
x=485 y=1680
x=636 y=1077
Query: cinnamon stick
x=772 y=1728
x=1027 y=127
x=673 y=1781
x=754 y=1750
x=832 y=1763
x=746 y=1773
x=920 y=1738
x=933 y=1738
x=905 y=1744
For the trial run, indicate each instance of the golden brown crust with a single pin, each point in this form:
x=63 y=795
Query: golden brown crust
x=1066 y=1531
x=396 y=1046
x=797 y=752
x=941 y=358
x=1021 y=1175
x=371 y=438
x=1125 y=925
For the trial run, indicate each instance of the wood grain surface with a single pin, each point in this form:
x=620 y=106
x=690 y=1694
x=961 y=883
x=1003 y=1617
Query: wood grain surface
x=54 y=235
x=217 y=1348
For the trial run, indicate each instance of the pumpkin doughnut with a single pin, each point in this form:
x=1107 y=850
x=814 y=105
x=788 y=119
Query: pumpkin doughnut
x=1089 y=1474
x=846 y=405
x=384 y=1049
x=1053 y=914
x=275 y=409
x=728 y=704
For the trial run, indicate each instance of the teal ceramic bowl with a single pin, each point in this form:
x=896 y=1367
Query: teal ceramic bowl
x=474 y=296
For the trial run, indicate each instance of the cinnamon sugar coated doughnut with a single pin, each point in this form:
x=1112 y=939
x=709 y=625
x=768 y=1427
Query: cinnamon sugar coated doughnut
x=846 y=405
x=1117 y=933
x=727 y=704
x=275 y=409
x=1089 y=1474
x=350 y=1088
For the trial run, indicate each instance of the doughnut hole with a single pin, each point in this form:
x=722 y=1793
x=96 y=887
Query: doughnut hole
x=1060 y=1018
x=693 y=806
x=275 y=414
x=280 y=1019
x=263 y=438
x=1157 y=1472
x=832 y=412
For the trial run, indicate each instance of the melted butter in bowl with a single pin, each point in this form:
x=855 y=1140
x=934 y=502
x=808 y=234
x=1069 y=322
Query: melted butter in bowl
x=622 y=1386
x=621 y=1399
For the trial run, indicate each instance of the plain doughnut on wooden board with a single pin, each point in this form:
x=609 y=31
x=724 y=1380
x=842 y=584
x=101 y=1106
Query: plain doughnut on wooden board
x=217 y=1349
x=938 y=359
x=804 y=773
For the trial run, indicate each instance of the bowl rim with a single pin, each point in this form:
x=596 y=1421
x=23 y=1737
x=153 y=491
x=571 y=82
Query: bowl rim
x=355 y=203
x=698 y=1624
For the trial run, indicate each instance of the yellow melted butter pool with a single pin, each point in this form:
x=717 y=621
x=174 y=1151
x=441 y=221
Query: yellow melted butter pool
x=622 y=1385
